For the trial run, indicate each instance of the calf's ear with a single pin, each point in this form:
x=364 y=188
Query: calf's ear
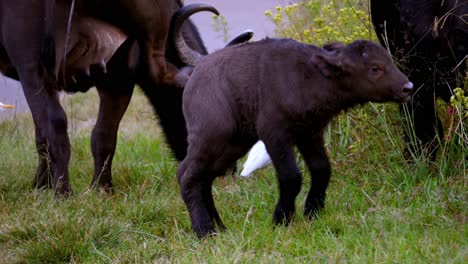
x=330 y=65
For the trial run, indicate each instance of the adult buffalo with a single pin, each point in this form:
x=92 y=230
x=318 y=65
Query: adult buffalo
x=430 y=40
x=106 y=56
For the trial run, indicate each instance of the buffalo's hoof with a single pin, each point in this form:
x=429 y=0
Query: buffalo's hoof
x=312 y=209
x=103 y=187
x=221 y=226
x=281 y=216
x=204 y=231
x=43 y=183
x=63 y=192
x=416 y=152
x=311 y=213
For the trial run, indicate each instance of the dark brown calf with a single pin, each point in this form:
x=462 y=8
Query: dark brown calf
x=284 y=93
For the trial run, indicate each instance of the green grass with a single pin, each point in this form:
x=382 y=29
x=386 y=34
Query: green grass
x=379 y=208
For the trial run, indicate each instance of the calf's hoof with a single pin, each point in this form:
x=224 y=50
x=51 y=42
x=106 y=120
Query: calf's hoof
x=204 y=231
x=311 y=214
x=221 y=226
x=312 y=211
x=282 y=217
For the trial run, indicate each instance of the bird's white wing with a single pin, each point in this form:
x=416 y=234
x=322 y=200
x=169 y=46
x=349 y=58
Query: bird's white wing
x=258 y=158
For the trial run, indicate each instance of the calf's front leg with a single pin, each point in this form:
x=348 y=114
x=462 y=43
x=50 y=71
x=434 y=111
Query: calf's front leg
x=315 y=156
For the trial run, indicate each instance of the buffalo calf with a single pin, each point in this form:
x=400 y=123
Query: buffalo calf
x=284 y=93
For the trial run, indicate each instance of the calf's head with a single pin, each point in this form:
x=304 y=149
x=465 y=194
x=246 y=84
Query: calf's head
x=364 y=70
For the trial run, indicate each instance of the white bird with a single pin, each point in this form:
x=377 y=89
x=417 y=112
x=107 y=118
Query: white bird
x=257 y=158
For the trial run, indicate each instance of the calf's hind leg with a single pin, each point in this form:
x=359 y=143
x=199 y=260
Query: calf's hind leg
x=224 y=162
x=196 y=175
x=194 y=181
x=289 y=177
x=208 y=199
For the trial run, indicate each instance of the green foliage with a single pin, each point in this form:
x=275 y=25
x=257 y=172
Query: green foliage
x=321 y=22
x=459 y=115
x=220 y=25
x=454 y=115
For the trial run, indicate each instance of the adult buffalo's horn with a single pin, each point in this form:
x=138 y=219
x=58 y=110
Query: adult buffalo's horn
x=243 y=37
x=187 y=54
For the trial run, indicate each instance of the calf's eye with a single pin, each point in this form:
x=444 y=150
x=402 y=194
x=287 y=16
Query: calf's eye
x=375 y=69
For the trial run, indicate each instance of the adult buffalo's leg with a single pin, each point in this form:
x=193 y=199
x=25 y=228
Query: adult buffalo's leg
x=423 y=116
x=314 y=154
x=52 y=140
x=34 y=61
x=115 y=91
x=43 y=177
x=104 y=137
x=289 y=176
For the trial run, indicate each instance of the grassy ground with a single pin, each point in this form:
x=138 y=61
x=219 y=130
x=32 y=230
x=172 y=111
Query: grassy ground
x=379 y=208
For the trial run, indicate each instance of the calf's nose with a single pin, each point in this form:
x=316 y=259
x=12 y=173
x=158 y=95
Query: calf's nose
x=408 y=87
